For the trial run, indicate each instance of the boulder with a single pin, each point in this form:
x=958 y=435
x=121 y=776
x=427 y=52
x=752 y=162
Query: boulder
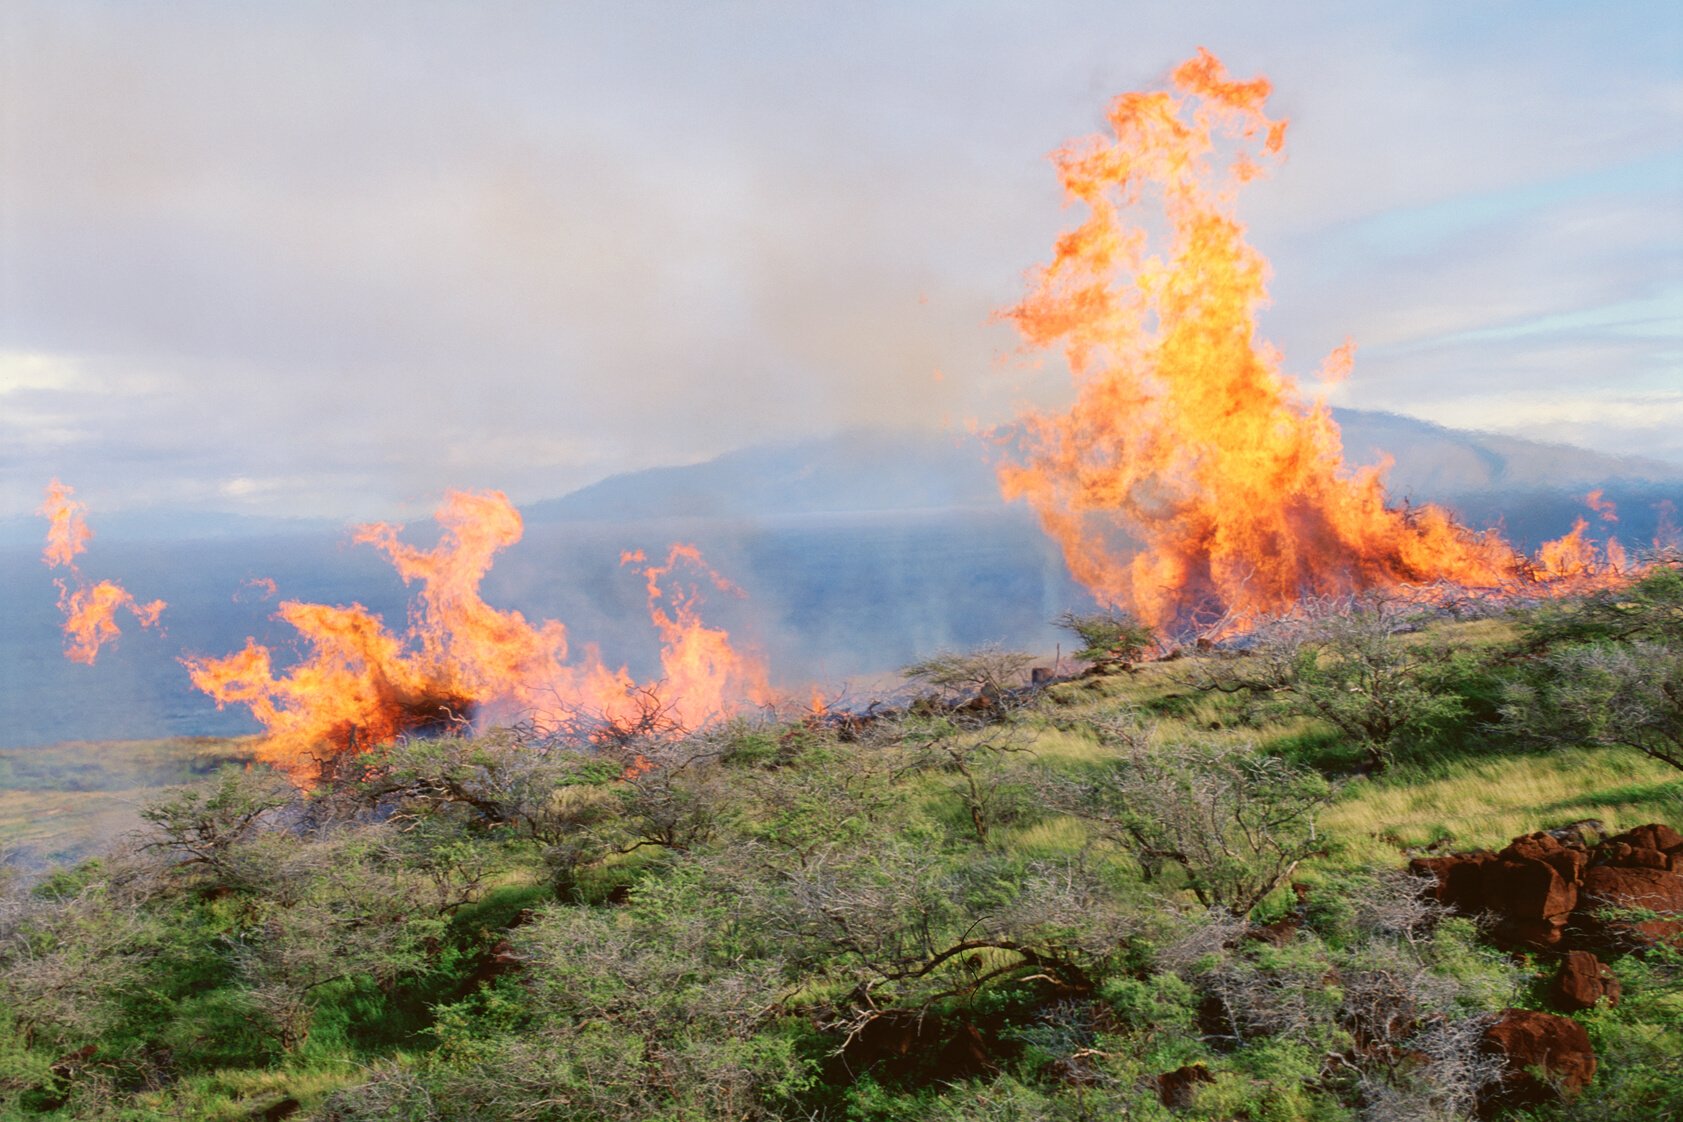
x=1545 y=1058
x=1549 y=890
x=1567 y=860
x=1628 y=856
x=1583 y=833
x=1583 y=980
x=1531 y=900
x=1652 y=899
x=1655 y=835
x=1522 y=888
x=1459 y=878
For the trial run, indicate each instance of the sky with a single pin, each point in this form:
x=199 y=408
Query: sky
x=334 y=258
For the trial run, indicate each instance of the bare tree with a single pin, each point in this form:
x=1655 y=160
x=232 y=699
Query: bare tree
x=67 y=962
x=981 y=757
x=1626 y=695
x=1342 y=662
x=987 y=675
x=205 y=828
x=1235 y=821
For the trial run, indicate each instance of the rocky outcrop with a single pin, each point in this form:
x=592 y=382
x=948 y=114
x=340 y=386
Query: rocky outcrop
x=1545 y=893
x=1545 y=1058
x=1632 y=906
x=1561 y=891
x=1582 y=981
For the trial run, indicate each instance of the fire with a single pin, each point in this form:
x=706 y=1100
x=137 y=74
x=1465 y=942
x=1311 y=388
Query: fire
x=67 y=525
x=1606 y=508
x=704 y=676
x=1190 y=480
x=90 y=610
x=262 y=588
x=460 y=659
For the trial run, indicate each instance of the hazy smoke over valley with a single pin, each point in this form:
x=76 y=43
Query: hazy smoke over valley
x=855 y=554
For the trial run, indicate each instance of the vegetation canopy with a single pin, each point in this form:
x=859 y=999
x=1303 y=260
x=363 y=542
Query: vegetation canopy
x=1171 y=888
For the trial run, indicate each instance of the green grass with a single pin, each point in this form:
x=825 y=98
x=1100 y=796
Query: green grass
x=1476 y=792
x=1486 y=801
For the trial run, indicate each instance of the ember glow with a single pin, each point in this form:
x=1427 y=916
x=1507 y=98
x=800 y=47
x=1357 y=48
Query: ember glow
x=90 y=609
x=460 y=659
x=1191 y=481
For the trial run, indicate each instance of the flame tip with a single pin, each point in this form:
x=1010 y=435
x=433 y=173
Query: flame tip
x=1185 y=434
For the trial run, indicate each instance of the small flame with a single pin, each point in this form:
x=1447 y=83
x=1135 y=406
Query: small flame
x=90 y=610
x=67 y=529
x=1190 y=481
x=1667 y=533
x=261 y=588
x=1604 y=507
x=460 y=658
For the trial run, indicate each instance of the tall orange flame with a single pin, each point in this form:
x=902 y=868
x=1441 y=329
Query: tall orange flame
x=704 y=676
x=460 y=658
x=90 y=610
x=1190 y=481
x=67 y=525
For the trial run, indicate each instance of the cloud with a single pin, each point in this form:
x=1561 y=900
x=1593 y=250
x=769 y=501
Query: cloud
x=26 y=372
x=1648 y=424
x=355 y=255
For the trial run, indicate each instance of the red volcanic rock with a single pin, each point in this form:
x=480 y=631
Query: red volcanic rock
x=1531 y=900
x=1533 y=1044
x=1652 y=836
x=1544 y=890
x=1459 y=877
x=1527 y=889
x=1568 y=860
x=1278 y=933
x=1584 y=980
x=1652 y=897
x=1621 y=853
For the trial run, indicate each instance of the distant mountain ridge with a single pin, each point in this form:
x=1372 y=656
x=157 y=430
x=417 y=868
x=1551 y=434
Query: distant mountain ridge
x=885 y=469
x=851 y=472
x=1434 y=461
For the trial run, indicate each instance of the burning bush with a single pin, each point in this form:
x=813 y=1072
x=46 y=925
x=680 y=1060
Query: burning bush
x=462 y=659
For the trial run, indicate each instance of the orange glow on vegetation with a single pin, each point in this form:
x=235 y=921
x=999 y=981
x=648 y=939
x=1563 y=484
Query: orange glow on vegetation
x=90 y=610
x=1190 y=481
x=460 y=659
